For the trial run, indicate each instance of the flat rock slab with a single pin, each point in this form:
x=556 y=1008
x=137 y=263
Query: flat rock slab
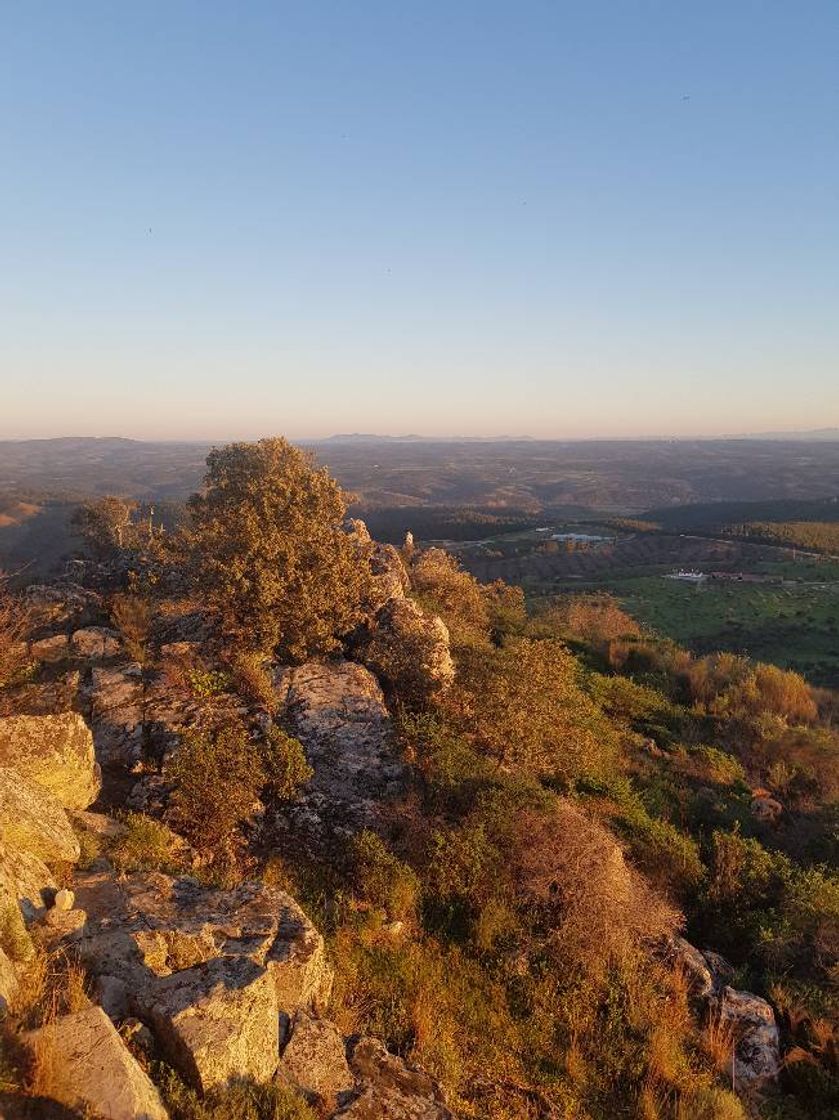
x=151 y=925
x=33 y=820
x=87 y=1066
x=55 y=752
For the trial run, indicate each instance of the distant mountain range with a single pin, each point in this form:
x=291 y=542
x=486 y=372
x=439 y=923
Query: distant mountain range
x=815 y=434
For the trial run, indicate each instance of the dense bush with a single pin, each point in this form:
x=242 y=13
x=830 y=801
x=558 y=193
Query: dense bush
x=269 y=552
x=523 y=705
x=216 y=777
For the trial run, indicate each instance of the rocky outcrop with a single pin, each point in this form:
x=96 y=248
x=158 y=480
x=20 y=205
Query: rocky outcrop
x=55 y=752
x=209 y=970
x=389 y=576
x=337 y=711
x=33 y=820
x=83 y=1063
x=757 y=1055
x=314 y=1060
x=389 y=1089
x=115 y=698
x=751 y=1019
x=408 y=650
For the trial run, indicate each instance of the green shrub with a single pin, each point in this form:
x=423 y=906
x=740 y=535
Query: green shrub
x=284 y=764
x=380 y=879
x=147 y=845
x=523 y=705
x=216 y=778
x=239 y=1101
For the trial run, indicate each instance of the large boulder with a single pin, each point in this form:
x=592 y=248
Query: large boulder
x=33 y=820
x=337 y=711
x=209 y=970
x=148 y=926
x=218 y=1022
x=84 y=1064
x=55 y=752
x=757 y=1055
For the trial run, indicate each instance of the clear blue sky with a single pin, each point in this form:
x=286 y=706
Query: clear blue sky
x=229 y=219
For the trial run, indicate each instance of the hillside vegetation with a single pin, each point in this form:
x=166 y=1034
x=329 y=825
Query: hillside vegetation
x=513 y=827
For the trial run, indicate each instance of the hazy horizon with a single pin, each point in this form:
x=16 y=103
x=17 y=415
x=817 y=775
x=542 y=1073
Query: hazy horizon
x=600 y=221
x=792 y=434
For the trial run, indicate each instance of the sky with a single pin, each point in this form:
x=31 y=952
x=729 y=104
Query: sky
x=560 y=219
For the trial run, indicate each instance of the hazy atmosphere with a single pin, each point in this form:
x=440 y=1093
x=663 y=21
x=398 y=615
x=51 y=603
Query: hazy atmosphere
x=550 y=219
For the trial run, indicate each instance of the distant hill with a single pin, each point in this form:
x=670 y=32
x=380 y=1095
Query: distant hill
x=817 y=434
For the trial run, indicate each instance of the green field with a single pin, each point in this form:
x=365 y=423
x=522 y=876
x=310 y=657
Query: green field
x=793 y=626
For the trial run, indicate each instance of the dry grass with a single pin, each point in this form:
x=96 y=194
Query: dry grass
x=133 y=616
x=15 y=618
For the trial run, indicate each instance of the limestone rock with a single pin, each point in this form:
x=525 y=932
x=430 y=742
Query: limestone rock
x=315 y=1060
x=64 y=899
x=32 y=820
x=112 y=996
x=97 y=824
x=147 y=926
x=390 y=579
x=337 y=711
x=694 y=965
x=95 y=642
x=26 y=881
x=89 y=1067
x=757 y=1056
x=391 y=1089
x=116 y=714
x=766 y=809
x=55 y=752
x=218 y=1022
x=65 y=923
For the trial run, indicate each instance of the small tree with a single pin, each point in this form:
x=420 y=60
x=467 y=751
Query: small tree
x=269 y=552
x=106 y=525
